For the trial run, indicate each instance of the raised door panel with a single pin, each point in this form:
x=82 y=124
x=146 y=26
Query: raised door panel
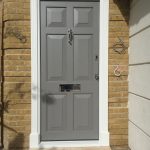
x=83 y=17
x=56 y=57
x=83 y=111
x=55 y=112
x=56 y=17
x=83 y=66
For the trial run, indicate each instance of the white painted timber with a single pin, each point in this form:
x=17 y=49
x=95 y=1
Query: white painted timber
x=139 y=112
x=139 y=16
x=140 y=47
x=138 y=140
x=139 y=80
x=103 y=140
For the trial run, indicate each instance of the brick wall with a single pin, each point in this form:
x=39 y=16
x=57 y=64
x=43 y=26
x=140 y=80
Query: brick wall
x=17 y=77
x=118 y=87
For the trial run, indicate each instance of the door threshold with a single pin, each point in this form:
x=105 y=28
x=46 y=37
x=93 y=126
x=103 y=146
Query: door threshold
x=76 y=148
x=66 y=144
x=72 y=145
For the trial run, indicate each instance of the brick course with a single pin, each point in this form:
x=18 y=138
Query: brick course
x=17 y=75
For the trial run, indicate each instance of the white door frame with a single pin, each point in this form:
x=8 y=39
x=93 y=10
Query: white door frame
x=35 y=83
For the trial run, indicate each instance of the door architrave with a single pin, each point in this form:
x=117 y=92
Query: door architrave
x=35 y=82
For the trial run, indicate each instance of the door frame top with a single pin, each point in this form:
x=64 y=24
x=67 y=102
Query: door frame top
x=35 y=82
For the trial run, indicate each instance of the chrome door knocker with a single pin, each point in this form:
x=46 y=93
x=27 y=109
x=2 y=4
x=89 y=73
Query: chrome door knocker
x=70 y=36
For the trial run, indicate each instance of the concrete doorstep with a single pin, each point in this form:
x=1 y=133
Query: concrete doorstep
x=77 y=148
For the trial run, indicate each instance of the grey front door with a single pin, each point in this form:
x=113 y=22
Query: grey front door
x=69 y=70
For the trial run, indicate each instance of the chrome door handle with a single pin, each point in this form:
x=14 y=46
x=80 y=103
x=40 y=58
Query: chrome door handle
x=70 y=36
x=97 y=76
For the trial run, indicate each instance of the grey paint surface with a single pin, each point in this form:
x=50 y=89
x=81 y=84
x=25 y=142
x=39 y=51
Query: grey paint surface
x=69 y=115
